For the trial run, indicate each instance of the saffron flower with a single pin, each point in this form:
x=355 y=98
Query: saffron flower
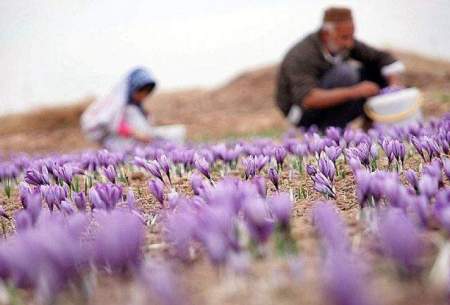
x=165 y=166
x=53 y=195
x=400 y=239
x=161 y=286
x=281 y=206
x=428 y=185
x=333 y=153
x=411 y=177
x=203 y=167
x=274 y=177
x=323 y=185
x=280 y=154
x=105 y=196
x=110 y=173
x=258 y=220
x=330 y=227
x=118 y=241
x=344 y=280
x=37 y=177
x=326 y=167
x=260 y=184
x=80 y=200
x=156 y=187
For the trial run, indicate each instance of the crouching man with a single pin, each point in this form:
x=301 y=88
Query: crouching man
x=325 y=79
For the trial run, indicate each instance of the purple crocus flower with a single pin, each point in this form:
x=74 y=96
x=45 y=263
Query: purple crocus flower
x=179 y=232
x=323 y=185
x=420 y=207
x=131 y=200
x=315 y=143
x=96 y=201
x=395 y=192
x=33 y=204
x=197 y=184
x=388 y=147
x=165 y=166
x=23 y=220
x=334 y=134
x=110 y=173
x=333 y=152
x=260 y=184
x=398 y=150
x=118 y=241
x=65 y=172
x=442 y=208
x=153 y=168
x=281 y=206
x=231 y=155
x=8 y=171
x=428 y=185
x=280 y=154
x=105 y=195
x=260 y=162
x=363 y=186
x=330 y=227
x=215 y=230
x=418 y=146
x=300 y=149
x=257 y=219
x=53 y=195
x=326 y=167
x=355 y=164
x=156 y=187
x=66 y=207
x=36 y=177
x=311 y=170
x=80 y=200
x=203 y=167
x=431 y=147
x=249 y=167
x=344 y=280
x=274 y=177
x=434 y=169
x=161 y=285
x=400 y=239
x=411 y=177
x=56 y=260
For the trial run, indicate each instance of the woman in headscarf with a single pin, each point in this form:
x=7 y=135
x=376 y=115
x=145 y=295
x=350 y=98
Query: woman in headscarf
x=119 y=121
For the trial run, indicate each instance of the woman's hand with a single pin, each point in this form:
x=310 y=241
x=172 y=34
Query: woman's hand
x=141 y=137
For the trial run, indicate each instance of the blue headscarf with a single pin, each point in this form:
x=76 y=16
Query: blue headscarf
x=137 y=79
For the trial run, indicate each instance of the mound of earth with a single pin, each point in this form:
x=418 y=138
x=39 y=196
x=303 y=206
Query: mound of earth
x=243 y=106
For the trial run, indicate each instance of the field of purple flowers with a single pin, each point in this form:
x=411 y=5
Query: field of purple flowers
x=345 y=218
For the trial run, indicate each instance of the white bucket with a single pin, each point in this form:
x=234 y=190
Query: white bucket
x=399 y=108
x=174 y=133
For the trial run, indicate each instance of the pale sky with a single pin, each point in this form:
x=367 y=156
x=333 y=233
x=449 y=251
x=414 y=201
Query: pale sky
x=59 y=50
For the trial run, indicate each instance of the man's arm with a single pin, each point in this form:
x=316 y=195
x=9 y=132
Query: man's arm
x=390 y=67
x=323 y=98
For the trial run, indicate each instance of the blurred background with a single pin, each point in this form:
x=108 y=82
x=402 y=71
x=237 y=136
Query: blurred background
x=212 y=59
x=56 y=52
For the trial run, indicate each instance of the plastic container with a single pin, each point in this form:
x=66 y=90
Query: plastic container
x=175 y=133
x=400 y=108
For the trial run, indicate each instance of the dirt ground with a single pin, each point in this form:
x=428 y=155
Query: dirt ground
x=243 y=106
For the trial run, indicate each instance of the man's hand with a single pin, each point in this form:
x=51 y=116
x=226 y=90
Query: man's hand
x=395 y=80
x=365 y=89
x=324 y=98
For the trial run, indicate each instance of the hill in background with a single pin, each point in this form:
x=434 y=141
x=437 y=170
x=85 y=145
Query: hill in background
x=244 y=106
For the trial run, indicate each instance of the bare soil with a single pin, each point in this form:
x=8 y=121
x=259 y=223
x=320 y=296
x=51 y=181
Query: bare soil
x=243 y=106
